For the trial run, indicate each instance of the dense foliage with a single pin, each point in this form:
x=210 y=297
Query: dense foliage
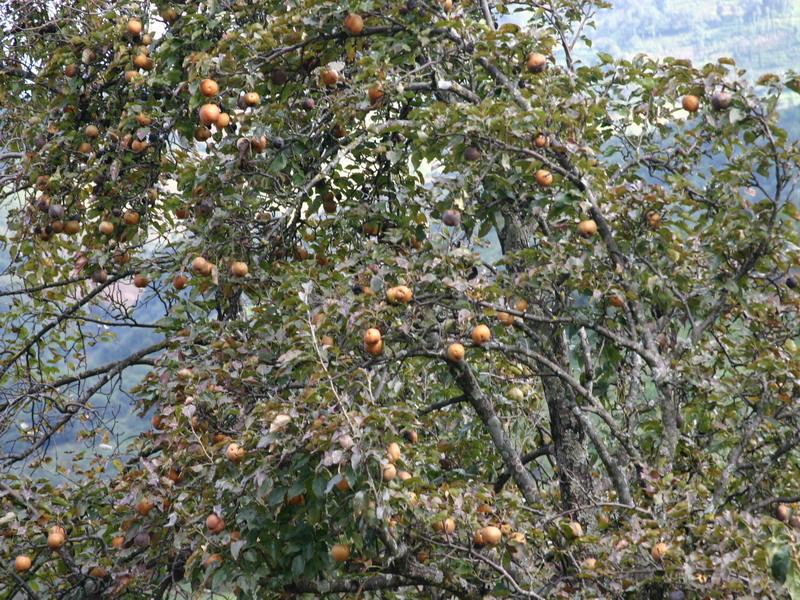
x=425 y=306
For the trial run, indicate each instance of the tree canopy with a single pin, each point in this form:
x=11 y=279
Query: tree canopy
x=422 y=299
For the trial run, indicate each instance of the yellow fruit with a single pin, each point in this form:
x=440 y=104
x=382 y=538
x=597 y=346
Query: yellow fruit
x=659 y=551
x=209 y=113
x=330 y=77
x=239 y=269
x=106 y=227
x=587 y=228
x=536 y=62
x=505 y=318
x=72 y=227
x=690 y=103
x=455 y=352
x=447 y=526
x=340 y=552
x=22 y=563
x=55 y=540
x=481 y=334
x=223 y=120
x=201 y=266
x=543 y=177
x=209 y=88
x=234 y=453
x=491 y=535
x=252 y=99
x=389 y=472
x=131 y=217
x=393 y=452
x=143 y=507
x=372 y=336
x=134 y=27
x=354 y=24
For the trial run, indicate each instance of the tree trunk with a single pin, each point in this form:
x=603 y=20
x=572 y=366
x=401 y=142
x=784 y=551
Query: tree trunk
x=569 y=439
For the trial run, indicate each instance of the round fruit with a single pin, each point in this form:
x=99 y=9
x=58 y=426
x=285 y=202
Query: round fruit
x=209 y=88
x=343 y=485
x=143 y=507
x=330 y=77
x=180 y=281
x=587 y=228
x=143 y=120
x=354 y=24
x=394 y=452
x=130 y=75
x=782 y=512
x=202 y=133
x=170 y=15
x=543 y=177
x=536 y=62
x=117 y=541
x=505 y=318
x=374 y=349
x=616 y=300
x=455 y=352
x=100 y=276
x=223 y=120
x=201 y=266
x=451 y=217
x=477 y=538
x=653 y=219
x=447 y=526
x=375 y=94
x=55 y=540
x=481 y=334
x=22 y=563
x=308 y=104
x=71 y=70
x=541 y=141
x=91 y=131
x=659 y=551
x=691 y=103
x=410 y=436
x=721 y=101
x=214 y=523
x=340 y=552
x=239 y=269
x=372 y=336
x=252 y=99
x=491 y=535
x=472 y=154
x=234 y=453
x=140 y=281
x=389 y=472
x=209 y=113
x=403 y=475
x=85 y=148
x=213 y=560
x=98 y=572
x=72 y=227
x=134 y=27
x=131 y=217
x=141 y=61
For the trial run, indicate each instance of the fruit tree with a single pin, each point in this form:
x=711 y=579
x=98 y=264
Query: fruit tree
x=420 y=299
